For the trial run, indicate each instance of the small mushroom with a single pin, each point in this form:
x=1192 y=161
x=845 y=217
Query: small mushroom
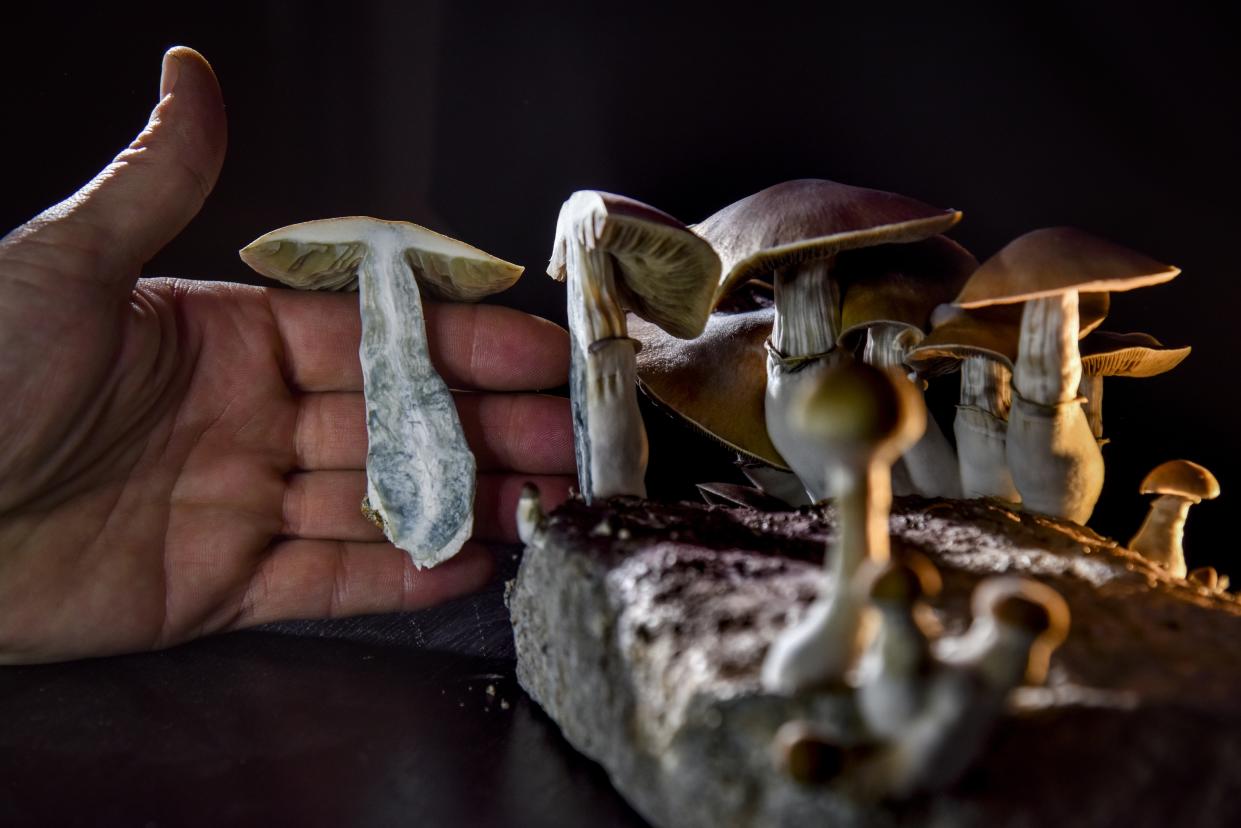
x=793 y=232
x=1052 y=454
x=616 y=254
x=806 y=753
x=888 y=299
x=982 y=344
x=1207 y=578
x=862 y=418
x=419 y=470
x=1179 y=484
x=1106 y=354
x=530 y=516
x=893 y=673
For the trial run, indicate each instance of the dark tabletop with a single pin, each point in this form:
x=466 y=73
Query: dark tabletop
x=408 y=719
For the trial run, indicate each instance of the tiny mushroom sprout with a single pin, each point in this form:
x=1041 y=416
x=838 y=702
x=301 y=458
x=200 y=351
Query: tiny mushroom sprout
x=889 y=295
x=419 y=470
x=1179 y=484
x=793 y=232
x=982 y=345
x=863 y=418
x=616 y=254
x=1053 y=456
x=1106 y=354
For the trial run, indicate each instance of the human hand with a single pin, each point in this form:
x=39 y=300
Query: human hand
x=183 y=458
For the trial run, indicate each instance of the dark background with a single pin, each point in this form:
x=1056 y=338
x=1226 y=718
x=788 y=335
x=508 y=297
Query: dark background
x=480 y=118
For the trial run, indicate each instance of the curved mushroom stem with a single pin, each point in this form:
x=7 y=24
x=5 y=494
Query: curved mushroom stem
x=609 y=437
x=419 y=472
x=1052 y=453
x=821 y=648
x=929 y=467
x=1091 y=388
x=981 y=429
x=1160 y=536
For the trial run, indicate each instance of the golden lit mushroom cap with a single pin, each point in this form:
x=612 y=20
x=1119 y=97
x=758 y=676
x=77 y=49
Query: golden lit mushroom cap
x=716 y=382
x=325 y=255
x=808 y=219
x=855 y=406
x=1183 y=479
x=1054 y=260
x=664 y=272
x=899 y=284
x=1110 y=354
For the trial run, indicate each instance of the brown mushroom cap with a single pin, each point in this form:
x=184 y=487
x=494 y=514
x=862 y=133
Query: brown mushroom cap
x=906 y=580
x=899 y=284
x=809 y=219
x=1023 y=603
x=325 y=255
x=1110 y=354
x=716 y=382
x=1054 y=260
x=665 y=273
x=991 y=332
x=1183 y=479
x=857 y=405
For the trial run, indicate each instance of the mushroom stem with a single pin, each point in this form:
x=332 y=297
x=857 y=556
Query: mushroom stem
x=981 y=429
x=610 y=439
x=929 y=466
x=784 y=387
x=863 y=502
x=398 y=377
x=1052 y=453
x=1160 y=536
x=807 y=309
x=1091 y=388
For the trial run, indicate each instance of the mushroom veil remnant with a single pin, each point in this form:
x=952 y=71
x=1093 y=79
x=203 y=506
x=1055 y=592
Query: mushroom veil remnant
x=1179 y=484
x=617 y=254
x=794 y=231
x=419 y=470
x=1053 y=456
x=863 y=418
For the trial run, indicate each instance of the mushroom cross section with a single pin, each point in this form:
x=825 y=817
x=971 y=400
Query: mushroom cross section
x=617 y=254
x=1107 y=354
x=419 y=471
x=1052 y=453
x=793 y=232
x=1179 y=484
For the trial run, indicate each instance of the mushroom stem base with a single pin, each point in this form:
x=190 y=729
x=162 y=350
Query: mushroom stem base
x=610 y=438
x=1161 y=534
x=1054 y=458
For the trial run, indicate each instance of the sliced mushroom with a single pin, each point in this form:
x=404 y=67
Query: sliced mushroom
x=616 y=254
x=1179 y=484
x=794 y=231
x=1052 y=454
x=419 y=470
x=1106 y=354
x=864 y=419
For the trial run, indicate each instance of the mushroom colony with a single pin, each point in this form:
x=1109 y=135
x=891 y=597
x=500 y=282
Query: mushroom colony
x=799 y=327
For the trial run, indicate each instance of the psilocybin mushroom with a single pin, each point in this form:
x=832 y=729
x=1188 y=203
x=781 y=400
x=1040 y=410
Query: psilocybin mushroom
x=1052 y=454
x=1179 y=484
x=419 y=470
x=863 y=418
x=794 y=231
x=1107 y=354
x=616 y=254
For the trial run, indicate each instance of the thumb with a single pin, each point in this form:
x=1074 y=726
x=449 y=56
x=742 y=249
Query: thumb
x=152 y=190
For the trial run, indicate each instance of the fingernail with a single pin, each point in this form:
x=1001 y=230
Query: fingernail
x=168 y=73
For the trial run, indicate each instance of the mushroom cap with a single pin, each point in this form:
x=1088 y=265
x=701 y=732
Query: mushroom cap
x=664 y=273
x=905 y=581
x=1182 y=479
x=808 y=219
x=1025 y=604
x=854 y=406
x=716 y=382
x=991 y=332
x=1110 y=354
x=1054 y=260
x=325 y=254
x=899 y=284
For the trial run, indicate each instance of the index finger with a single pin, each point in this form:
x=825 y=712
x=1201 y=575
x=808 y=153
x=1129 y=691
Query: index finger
x=481 y=347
